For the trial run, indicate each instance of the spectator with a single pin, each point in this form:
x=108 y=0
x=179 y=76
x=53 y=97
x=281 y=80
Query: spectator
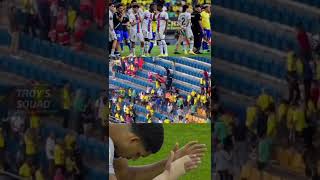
x=39 y=175
x=88 y=118
x=264 y=152
x=72 y=16
x=66 y=99
x=78 y=108
x=44 y=18
x=240 y=144
x=59 y=156
x=86 y=8
x=222 y=160
x=304 y=43
x=80 y=28
x=264 y=101
x=61 y=27
x=292 y=77
x=72 y=170
x=59 y=175
x=13 y=30
x=25 y=170
x=30 y=142
x=2 y=147
x=310 y=158
x=50 y=146
x=70 y=142
x=100 y=6
x=29 y=10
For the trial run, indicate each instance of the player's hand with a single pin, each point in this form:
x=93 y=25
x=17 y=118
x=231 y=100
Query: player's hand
x=190 y=165
x=169 y=161
x=193 y=149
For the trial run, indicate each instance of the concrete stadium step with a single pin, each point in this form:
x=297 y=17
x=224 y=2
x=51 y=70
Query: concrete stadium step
x=235 y=102
x=248 y=75
x=100 y=54
x=178 y=75
x=145 y=81
x=251 y=74
x=7 y=78
x=67 y=70
x=178 y=81
x=193 y=63
x=178 y=67
x=239 y=43
x=237 y=16
x=296 y=6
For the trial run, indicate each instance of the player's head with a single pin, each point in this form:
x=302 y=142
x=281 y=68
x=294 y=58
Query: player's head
x=207 y=8
x=152 y=7
x=135 y=8
x=197 y=8
x=184 y=8
x=120 y=8
x=159 y=7
x=112 y=7
x=140 y=140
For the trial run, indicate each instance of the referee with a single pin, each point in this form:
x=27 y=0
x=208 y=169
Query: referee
x=197 y=28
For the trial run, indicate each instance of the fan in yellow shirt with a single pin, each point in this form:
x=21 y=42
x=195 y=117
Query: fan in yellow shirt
x=2 y=141
x=39 y=174
x=59 y=154
x=271 y=125
x=264 y=101
x=251 y=116
x=25 y=170
x=34 y=120
x=299 y=118
x=282 y=110
x=29 y=140
x=70 y=141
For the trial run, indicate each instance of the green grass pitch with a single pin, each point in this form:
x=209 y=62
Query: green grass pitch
x=156 y=52
x=183 y=133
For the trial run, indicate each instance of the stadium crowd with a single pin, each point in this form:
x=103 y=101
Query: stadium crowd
x=28 y=150
x=58 y=21
x=146 y=23
x=274 y=129
x=164 y=99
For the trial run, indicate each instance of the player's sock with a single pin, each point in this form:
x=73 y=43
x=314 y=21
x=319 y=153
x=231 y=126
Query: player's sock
x=191 y=44
x=129 y=45
x=146 y=47
x=112 y=51
x=121 y=45
x=165 y=47
x=160 y=47
x=150 y=48
x=184 y=45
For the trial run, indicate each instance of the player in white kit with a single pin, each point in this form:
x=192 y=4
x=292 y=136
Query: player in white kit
x=148 y=17
x=162 y=22
x=136 y=35
x=112 y=33
x=184 y=20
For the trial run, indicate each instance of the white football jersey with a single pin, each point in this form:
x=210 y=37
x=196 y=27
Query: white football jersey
x=162 y=19
x=136 y=18
x=184 y=19
x=111 y=26
x=147 y=21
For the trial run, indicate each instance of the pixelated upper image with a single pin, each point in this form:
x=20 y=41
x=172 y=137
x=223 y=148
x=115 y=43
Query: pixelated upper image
x=267 y=69
x=160 y=61
x=53 y=97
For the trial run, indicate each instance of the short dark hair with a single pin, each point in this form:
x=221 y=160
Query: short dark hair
x=150 y=134
x=184 y=8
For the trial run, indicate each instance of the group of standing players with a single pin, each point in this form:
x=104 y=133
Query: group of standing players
x=132 y=26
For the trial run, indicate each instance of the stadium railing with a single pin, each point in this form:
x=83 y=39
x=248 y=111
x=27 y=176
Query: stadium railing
x=11 y=175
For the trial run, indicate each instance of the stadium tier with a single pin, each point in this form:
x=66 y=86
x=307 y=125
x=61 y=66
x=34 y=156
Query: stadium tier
x=186 y=77
x=252 y=39
x=264 y=27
